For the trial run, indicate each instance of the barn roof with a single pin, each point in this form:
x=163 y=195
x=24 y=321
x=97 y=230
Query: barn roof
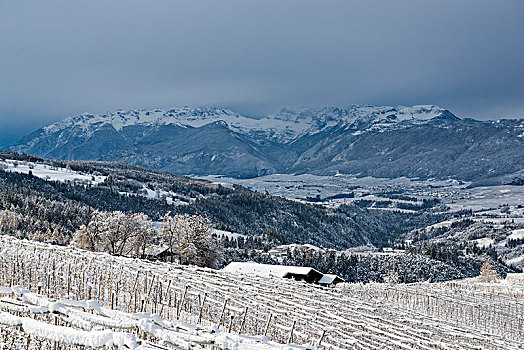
x=329 y=279
x=265 y=270
x=155 y=250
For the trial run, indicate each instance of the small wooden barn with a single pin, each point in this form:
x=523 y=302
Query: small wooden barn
x=156 y=252
x=297 y=273
x=330 y=280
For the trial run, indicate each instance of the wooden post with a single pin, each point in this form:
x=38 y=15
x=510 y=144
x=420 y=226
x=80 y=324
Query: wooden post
x=148 y=293
x=134 y=288
x=321 y=337
x=243 y=322
x=267 y=324
x=182 y=301
x=200 y=314
x=143 y=301
x=290 y=338
x=167 y=291
x=230 y=323
x=222 y=314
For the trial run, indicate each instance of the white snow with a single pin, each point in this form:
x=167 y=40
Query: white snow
x=516 y=234
x=327 y=279
x=484 y=242
x=228 y=234
x=265 y=270
x=285 y=126
x=515 y=261
x=51 y=173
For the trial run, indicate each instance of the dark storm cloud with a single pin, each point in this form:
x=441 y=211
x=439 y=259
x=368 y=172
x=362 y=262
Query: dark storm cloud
x=64 y=57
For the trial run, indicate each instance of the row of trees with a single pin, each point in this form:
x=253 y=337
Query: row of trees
x=181 y=238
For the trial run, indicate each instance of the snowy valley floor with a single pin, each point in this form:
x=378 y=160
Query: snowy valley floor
x=96 y=300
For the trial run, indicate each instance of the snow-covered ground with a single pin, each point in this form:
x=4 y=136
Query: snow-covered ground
x=516 y=234
x=189 y=304
x=228 y=234
x=487 y=202
x=301 y=186
x=484 y=242
x=170 y=197
x=490 y=200
x=51 y=173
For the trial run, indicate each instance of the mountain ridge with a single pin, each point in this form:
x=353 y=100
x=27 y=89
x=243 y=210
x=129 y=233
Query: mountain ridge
x=378 y=141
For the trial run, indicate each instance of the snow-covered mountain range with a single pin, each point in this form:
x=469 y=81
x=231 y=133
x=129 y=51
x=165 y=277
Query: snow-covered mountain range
x=423 y=141
x=284 y=127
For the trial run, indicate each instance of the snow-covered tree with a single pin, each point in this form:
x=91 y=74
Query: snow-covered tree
x=9 y=222
x=189 y=239
x=116 y=233
x=142 y=234
x=488 y=273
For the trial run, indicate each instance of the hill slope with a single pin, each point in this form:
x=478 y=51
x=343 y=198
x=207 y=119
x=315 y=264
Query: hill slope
x=158 y=297
x=59 y=196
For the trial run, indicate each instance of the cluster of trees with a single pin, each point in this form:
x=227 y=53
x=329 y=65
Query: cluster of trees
x=180 y=238
x=27 y=215
x=115 y=233
x=512 y=243
x=430 y=262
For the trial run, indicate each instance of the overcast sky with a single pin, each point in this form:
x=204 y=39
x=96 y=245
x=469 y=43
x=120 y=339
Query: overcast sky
x=59 y=58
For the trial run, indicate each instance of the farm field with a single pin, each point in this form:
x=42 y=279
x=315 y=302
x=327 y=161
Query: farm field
x=205 y=308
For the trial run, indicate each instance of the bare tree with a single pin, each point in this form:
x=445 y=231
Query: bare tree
x=488 y=273
x=116 y=233
x=9 y=222
x=189 y=240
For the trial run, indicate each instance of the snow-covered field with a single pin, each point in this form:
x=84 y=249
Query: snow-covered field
x=491 y=200
x=301 y=186
x=308 y=185
x=191 y=303
x=228 y=234
x=485 y=201
x=51 y=173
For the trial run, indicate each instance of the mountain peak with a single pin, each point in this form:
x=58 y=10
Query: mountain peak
x=285 y=126
x=378 y=141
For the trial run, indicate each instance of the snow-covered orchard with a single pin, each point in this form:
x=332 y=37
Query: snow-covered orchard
x=131 y=303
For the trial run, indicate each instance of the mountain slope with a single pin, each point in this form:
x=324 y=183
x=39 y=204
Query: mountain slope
x=444 y=147
x=60 y=203
x=418 y=141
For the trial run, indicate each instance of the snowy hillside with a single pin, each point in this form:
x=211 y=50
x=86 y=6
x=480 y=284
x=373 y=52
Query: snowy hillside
x=159 y=304
x=49 y=172
x=61 y=174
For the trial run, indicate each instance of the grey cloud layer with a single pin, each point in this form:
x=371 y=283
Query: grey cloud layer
x=63 y=57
